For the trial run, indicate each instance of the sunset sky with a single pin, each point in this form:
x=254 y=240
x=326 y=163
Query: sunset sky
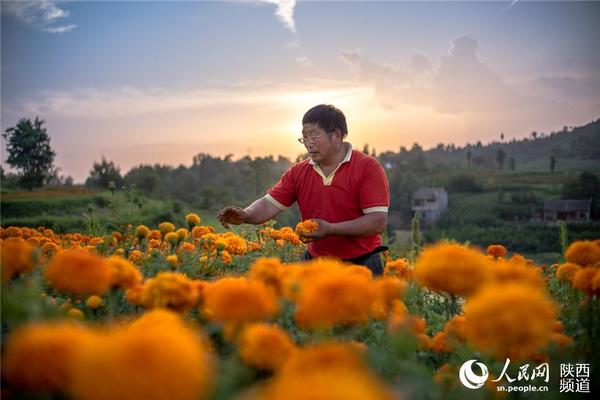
x=158 y=82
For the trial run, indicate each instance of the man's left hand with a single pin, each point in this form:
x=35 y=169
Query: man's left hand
x=325 y=228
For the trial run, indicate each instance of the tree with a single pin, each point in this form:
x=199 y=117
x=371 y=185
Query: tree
x=366 y=148
x=29 y=151
x=512 y=163
x=552 y=163
x=103 y=173
x=469 y=155
x=500 y=158
x=585 y=186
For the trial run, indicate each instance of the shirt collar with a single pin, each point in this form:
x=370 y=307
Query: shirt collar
x=346 y=158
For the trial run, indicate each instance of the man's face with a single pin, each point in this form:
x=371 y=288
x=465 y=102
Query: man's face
x=318 y=142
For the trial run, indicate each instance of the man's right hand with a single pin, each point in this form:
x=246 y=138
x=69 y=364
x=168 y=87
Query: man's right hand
x=232 y=215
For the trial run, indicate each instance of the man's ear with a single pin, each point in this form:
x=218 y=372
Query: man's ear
x=338 y=132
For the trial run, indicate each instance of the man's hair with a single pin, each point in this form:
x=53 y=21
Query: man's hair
x=327 y=117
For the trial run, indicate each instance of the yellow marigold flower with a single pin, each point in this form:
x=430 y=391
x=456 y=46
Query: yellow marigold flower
x=226 y=257
x=496 y=250
x=584 y=253
x=172 y=238
x=265 y=346
x=142 y=231
x=280 y=242
x=268 y=271
x=199 y=231
x=565 y=272
x=124 y=273
x=236 y=245
x=120 y=251
x=584 y=281
x=16 y=256
x=400 y=268
x=306 y=227
x=182 y=233
x=451 y=268
x=79 y=272
x=154 y=235
x=334 y=299
x=170 y=290
x=172 y=260
x=238 y=300
x=93 y=302
x=511 y=320
x=75 y=313
x=387 y=292
x=192 y=219
x=166 y=227
x=155 y=358
x=135 y=256
x=330 y=371
x=38 y=357
x=221 y=244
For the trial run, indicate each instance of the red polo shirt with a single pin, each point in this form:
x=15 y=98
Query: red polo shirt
x=357 y=186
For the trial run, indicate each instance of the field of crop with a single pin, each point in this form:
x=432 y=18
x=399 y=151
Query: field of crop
x=180 y=311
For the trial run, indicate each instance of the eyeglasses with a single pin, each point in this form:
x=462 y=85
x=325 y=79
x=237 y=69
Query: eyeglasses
x=309 y=139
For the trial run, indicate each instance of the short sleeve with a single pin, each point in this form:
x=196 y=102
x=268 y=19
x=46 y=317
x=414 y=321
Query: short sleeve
x=283 y=194
x=374 y=193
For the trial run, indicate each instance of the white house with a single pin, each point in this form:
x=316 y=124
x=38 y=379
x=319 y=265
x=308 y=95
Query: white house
x=431 y=203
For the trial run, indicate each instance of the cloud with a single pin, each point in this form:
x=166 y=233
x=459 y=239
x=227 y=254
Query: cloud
x=40 y=14
x=284 y=11
x=304 y=61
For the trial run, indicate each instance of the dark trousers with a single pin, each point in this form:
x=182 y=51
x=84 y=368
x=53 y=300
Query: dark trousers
x=371 y=260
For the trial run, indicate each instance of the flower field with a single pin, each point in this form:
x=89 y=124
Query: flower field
x=184 y=312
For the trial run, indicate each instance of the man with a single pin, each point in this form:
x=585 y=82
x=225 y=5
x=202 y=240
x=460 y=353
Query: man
x=344 y=190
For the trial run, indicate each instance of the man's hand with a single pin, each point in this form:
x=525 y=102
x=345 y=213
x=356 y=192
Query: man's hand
x=325 y=228
x=232 y=215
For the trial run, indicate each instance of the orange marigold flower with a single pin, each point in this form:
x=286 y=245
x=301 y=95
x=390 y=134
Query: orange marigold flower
x=187 y=247
x=515 y=270
x=124 y=273
x=496 y=250
x=166 y=227
x=456 y=327
x=387 y=292
x=328 y=371
x=238 y=300
x=584 y=280
x=192 y=219
x=268 y=271
x=226 y=257
x=154 y=235
x=39 y=357
x=291 y=237
x=135 y=256
x=265 y=346
x=334 y=299
x=17 y=257
x=452 y=268
x=79 y=272
x=173 y=260
x=142 y=231
x=169 y=290
x=155 y=358
x=75 y=313
x=306 y=227
x=236 y=245
x=565 y=272
x=134 y=295
x=400 y=268
x=439 y=343
x=199 y=231
x=583 y=253
x=511 y=320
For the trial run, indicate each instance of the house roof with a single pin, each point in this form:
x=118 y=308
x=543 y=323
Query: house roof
x=568 y=205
